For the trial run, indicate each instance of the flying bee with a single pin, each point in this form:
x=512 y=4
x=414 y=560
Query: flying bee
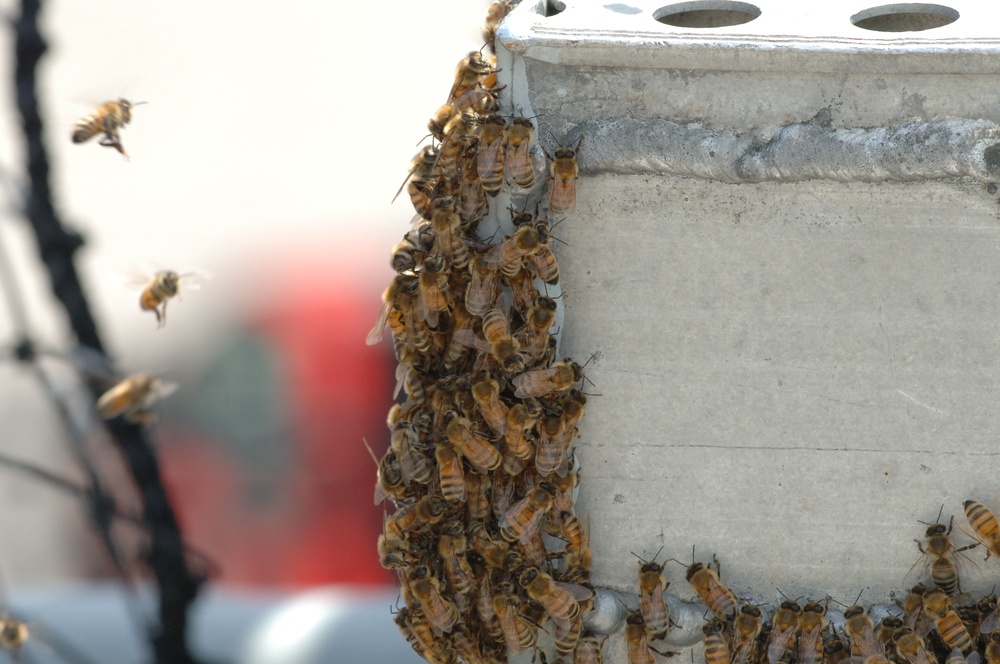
x=861 y=631
x=518 y=632
x=639 y=650
x=948 y=624
x=746 y=629
x=985 y=528
x=716 y=649
x=486 y=392
x=13 y=635
x=564 y=173
x=480 y=452
x=492 y=139
x=161 y=287
x=132 y=397
x=470 y=73
x=507 y=256
x=588 y=650
x=433 y=285
x=719 y=599
x=426 y=589
x=517 y=155
x=107 y=119
x=785 y=626
x=911 y=647
x=556 y=379
x=450 y=472
x=812 y=621
x=522 y=520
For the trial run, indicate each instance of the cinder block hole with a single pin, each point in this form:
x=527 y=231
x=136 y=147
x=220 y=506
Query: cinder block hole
x=907 y=17
x=707 y=14
x=553 y=7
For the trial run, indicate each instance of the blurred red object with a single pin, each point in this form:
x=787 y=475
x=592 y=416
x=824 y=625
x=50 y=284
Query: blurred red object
x=282 y=494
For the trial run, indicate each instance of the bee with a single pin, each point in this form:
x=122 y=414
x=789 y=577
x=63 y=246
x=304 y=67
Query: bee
x=557 y=599
x=394 y=303
x=478 y=451
x=389 y=480
x=811 y=624
x=913 y=608
x=786 y=625
x=639 y=650
x=417 y=632
x=577 y=554
x=655 y=612
x=519 y=422
x=452 y=547
x=556 y=379
x=534 y=335
x=477 y=487
x=507 y=256
x=409 y=253
x=834 y=649
x=496 y=12
x=503 y=495
x=469 y=73
x=946 y=621
x=885 y=631
x=716 y=649
x=956 y=657
x=460 y=132
x=938 y=556
x=416 y=467
x=990 y=612
x=861 y=631
x=433 y=286
x=992 y=651
x=719 y=599
x=483 y=288
x=132 y=397
x=393 y=551
x=746 y=629
x=466 y=646
x=522 y=520
x=421 y=183
x=492 y=140
x=517 y=155
x=107 y=119
x=447 y=227
x=517 y=631
x=486 y=392
x=160 y=288
x=911 y=647
x=985 y=528
x=440 y=613
x=499 y=343
x=588 y=650
x=450 y=472
x=495 y=553
x=567 y=637
x=551 y=448
x=563 y=175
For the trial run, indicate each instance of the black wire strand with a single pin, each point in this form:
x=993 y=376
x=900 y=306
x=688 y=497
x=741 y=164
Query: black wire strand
x=178 y=585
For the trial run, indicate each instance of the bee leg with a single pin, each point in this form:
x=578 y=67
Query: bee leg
x=161 y=318
x=111 y=141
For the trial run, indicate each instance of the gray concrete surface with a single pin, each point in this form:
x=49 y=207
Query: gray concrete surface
x=787 y=279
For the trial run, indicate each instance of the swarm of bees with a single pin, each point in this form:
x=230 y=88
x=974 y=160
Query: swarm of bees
x=480 y=467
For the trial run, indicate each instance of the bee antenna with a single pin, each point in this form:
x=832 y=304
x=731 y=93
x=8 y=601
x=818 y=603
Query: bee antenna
x=374 y=458
x=658 y=554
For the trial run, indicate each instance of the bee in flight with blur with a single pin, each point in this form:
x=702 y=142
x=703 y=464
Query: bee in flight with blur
x=133 y=396
x=163 y=286
x=107 y=119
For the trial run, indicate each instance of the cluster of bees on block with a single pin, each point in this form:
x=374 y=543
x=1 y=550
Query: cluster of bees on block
x=934 y=623
x=480 y=467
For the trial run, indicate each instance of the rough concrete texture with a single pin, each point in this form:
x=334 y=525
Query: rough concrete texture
x=784 y=260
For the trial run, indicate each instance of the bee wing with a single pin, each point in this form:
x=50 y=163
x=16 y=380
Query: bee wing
x=509 y=518
x=778 y=644
x=161 y=388
x=490 y=155
x=375 y=335
x=469 y=338
x=195 y=278
x=533 y=383
x=924 y=563
x=579 y=593
x=973 y=657
x=991 y=622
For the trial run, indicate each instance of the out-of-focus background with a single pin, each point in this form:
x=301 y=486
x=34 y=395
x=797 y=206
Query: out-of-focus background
x=274 y=138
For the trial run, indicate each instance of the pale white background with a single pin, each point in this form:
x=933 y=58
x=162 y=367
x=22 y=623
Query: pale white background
x=271 y=128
